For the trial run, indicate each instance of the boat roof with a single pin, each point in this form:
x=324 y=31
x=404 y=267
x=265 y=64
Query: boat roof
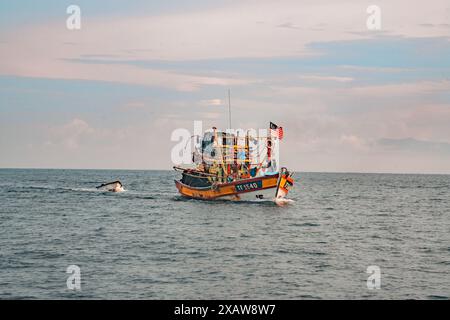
x=223 y=132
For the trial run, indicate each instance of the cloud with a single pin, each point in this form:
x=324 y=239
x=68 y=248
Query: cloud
x=415 y=146
x=57 y=69
x=326 y=78
x=134 y=105
x=406 y=89
x=377 y=69
x=353 y=141
x=310 y=66
x=431 y=25
x=71 y=134
x=81 y=144
x=212 y=102
x=403 y=89
x=228 y=31
x=289 y=25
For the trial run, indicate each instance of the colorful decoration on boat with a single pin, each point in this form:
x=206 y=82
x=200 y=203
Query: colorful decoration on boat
x=236 y=165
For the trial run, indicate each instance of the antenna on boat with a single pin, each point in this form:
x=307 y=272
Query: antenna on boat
x=229 y=108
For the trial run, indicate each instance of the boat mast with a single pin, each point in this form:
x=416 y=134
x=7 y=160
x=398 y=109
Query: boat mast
x=229 y=109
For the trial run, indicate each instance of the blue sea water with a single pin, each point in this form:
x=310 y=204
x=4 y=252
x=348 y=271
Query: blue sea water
x=150 y=243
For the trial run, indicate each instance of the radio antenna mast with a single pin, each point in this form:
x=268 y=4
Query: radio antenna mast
x=229 y=108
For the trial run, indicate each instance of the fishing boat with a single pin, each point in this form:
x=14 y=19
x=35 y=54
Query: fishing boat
x=236 y=166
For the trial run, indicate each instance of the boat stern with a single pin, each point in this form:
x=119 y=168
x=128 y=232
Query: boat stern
x=285 y=183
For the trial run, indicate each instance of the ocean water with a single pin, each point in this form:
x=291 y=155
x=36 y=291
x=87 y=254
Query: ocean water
x=150 y=243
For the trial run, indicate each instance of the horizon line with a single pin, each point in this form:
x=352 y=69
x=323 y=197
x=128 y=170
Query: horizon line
x=156 y=169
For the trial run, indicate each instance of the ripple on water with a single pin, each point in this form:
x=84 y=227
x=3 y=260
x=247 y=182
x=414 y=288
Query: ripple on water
x=151 y=242
x=306 y=224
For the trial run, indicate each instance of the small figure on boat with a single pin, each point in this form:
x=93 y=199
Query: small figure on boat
x=115 y=186
x=285 y=183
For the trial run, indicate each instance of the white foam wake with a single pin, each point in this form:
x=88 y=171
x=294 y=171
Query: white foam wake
x=283 y=201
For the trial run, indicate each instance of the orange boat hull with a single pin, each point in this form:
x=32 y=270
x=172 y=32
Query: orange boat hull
x=234 y=190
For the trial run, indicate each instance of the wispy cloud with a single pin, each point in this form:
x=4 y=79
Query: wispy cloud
x=181 y=36
x=326 y=78
x=212 y=102
x=415 y=145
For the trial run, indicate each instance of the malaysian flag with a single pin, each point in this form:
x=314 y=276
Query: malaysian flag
x=276 y=130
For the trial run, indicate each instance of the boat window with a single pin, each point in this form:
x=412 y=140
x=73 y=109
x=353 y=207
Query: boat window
x=208 y=139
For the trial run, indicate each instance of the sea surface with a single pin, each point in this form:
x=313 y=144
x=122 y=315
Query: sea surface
x=150 y=243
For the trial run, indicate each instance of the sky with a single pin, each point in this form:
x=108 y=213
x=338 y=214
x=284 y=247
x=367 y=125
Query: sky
x=109 y=95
